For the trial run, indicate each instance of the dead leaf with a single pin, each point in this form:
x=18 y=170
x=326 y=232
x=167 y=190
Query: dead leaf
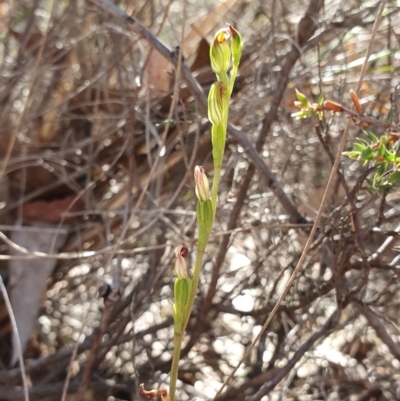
x=153 y=394
x=202 y=57
x=53 y=211
x=158 y=80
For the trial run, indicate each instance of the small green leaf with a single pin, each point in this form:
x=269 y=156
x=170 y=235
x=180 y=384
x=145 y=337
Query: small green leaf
x=381 y=170
x=363 y=142
x=321 y=99
x=389 y=156
x=371 y=136
x=360 y=147
x=367 y=154
x=394 y=177
x=381 y=150
x=301 y=114
x=205 y=215
x=302 y=99
x=384 y=138
x=182 y=290
x=352 y=154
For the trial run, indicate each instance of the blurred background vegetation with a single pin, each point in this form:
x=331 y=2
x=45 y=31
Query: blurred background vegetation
x=99 y=136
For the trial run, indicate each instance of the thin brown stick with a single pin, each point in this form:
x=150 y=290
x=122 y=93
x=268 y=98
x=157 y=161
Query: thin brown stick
x=363 y=120
x=109 y=304
x=73 y=356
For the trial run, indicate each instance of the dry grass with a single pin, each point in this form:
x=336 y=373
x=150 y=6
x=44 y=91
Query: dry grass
x=100 y=139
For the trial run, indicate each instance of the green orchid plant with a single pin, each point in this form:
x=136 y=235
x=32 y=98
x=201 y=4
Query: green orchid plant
x=225 y=53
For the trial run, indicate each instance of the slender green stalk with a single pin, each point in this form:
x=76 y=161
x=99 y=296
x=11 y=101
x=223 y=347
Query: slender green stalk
x=195 y=283
x=175 y=364
x=201 y=248
x=233 y=77
x=218 y=154
x=217 y=175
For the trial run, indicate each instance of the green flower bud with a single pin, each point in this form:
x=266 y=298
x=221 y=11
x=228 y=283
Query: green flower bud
x=236 y=45
x=220 y=53
x=202 y=185
x=218 y=99
x=180 y=264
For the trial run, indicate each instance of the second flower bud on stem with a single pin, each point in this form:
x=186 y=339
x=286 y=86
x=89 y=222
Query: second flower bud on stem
x=202 y=186
x=204 y=209
x=218 y=102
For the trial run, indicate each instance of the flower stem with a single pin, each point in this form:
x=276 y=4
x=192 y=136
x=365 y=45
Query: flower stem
x=196 y=276
x=175 y=364
x=233 y=78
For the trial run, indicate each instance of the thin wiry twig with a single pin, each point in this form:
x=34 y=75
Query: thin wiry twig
x=17 y=342
x=328 y=325
x=73 y=356
x=363 y=120
x=109 y=304
x=379 y=328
